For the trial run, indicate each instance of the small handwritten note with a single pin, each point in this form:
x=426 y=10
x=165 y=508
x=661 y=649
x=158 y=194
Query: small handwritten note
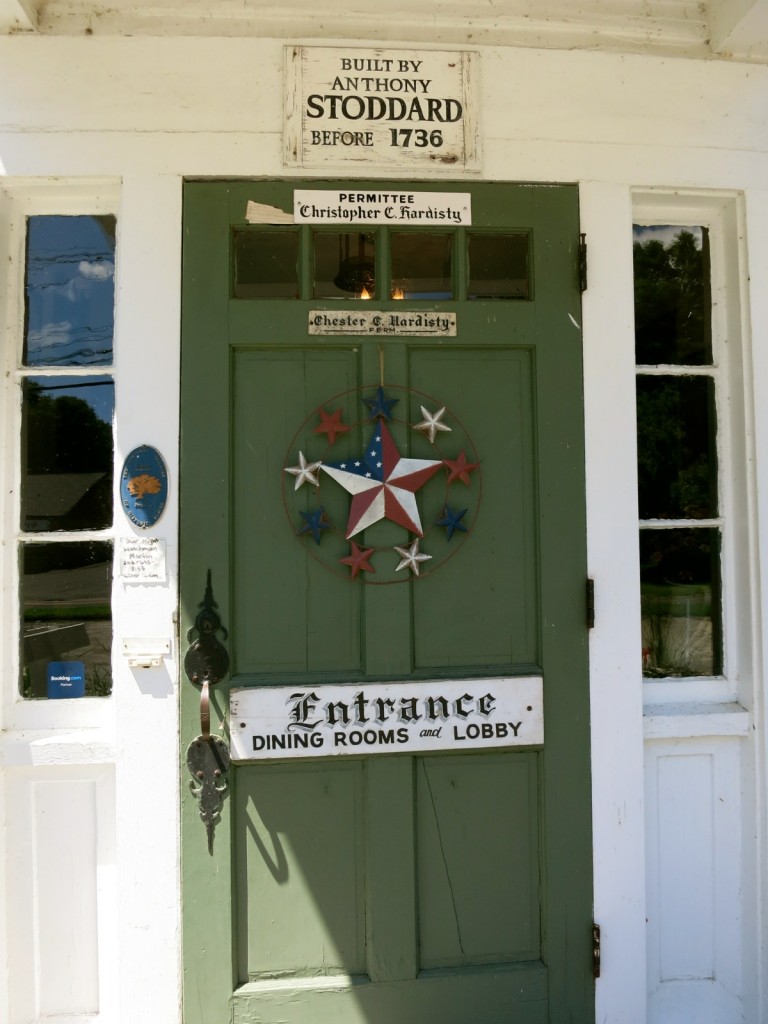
x=142 y=560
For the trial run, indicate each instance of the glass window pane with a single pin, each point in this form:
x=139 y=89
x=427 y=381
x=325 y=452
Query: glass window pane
x=70 y=291
x=266 y=264
x=676 y=458
x=680 y=602
x=67 y=453
x=345 y=265
x=672 y=295
x=498 y=266
x=66 y=630
x=421 y=266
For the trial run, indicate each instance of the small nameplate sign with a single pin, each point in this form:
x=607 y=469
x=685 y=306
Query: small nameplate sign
x=367 y=206
x=270 y=723
x=412 y=323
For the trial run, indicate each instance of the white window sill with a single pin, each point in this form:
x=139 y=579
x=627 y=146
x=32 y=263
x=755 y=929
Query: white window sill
x=669 y=721
x=79 y=747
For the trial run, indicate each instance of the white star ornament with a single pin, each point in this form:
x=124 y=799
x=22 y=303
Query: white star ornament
x=305 y=472
x=431 y=423
x=411 y=557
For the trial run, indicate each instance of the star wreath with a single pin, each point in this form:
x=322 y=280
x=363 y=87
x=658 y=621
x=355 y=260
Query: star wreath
x=364 y=507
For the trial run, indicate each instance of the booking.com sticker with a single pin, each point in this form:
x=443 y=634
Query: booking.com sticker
x=66 y=679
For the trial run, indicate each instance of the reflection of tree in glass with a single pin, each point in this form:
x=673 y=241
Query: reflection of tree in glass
x=672 y=301
x=676 y=460
x=64 y=434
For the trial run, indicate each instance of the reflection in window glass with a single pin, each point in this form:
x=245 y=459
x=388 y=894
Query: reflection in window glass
x=676 y=460
x=498 y=266
x=70 y=290
x=421 y=266
x=680 y=602
x=345 y=265
x=672 y=295
x=67 y=453
x=66 y=634
x=266 y=264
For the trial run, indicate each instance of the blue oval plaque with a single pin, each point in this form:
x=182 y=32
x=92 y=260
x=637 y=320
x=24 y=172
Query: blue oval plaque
x=144 y=486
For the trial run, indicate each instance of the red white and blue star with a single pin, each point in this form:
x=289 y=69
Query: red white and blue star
x=383 y=485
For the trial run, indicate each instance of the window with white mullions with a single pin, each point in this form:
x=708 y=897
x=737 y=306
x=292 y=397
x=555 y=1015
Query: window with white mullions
x=681 y=515
x=66 y=456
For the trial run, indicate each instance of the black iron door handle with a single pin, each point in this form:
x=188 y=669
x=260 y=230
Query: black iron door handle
x=207 y=663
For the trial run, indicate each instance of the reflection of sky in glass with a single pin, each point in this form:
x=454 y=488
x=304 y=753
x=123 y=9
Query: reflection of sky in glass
x=70 y=289
x=98 y=392
x=664 y=233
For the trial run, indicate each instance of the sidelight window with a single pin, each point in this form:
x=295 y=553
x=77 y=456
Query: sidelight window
x=679 y=387
x=65 y=391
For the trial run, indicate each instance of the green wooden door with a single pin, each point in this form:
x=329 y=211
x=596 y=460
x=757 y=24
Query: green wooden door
x=393 y=888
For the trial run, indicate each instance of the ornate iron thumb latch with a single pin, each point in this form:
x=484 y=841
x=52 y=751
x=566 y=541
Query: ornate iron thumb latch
x=207 y=663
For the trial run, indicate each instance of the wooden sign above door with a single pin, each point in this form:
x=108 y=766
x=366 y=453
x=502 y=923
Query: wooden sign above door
x=386 y=108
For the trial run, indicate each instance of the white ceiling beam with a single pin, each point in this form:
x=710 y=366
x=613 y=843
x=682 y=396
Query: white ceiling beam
x=18 y=15
x=739 y=27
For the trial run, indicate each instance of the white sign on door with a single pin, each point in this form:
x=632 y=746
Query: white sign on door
x=389 y=108
x=414 y=323
x=269 y=723
x=401 y=207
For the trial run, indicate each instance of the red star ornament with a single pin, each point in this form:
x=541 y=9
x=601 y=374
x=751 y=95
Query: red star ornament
x=459 y=469
x=330 y=424
x=357 y=559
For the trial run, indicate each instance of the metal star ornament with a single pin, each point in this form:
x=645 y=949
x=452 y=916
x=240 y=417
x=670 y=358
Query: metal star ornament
x=451 y=520
x=358 y=559
x=304 y=472
x=331 y=425
x=411 y=557
x=431 y=423
x=381 y=407
x=459 y=469
x=383 y=485
x=314 y=523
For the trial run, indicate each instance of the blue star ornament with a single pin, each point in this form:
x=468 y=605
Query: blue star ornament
x=451 y=520
x=315 y=522
x=381 y=407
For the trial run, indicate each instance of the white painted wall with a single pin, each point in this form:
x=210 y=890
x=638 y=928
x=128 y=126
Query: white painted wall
x=144 y=113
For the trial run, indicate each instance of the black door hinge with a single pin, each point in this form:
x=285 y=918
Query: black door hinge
x=583 y=262
x=595 y=951
x=590 y=604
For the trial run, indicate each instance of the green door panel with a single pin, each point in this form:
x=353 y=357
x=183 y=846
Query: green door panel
x=300 y=870
x=478 y=901
x=495 y=995
x=283 y=626
x=500 y=634
x=453 y=887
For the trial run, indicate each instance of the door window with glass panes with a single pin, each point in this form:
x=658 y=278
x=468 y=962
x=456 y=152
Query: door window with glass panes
x=66 y=393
